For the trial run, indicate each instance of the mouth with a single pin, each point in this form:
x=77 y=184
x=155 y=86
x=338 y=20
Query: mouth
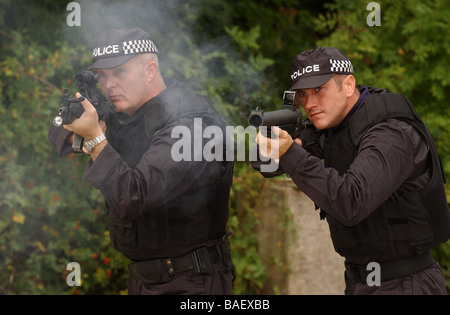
x=315 y=114
x=114 y=98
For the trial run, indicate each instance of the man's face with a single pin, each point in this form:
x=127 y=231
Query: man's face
x=326 y=106
x=125 y=85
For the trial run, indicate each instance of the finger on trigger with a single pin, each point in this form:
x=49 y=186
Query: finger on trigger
x=85 y=103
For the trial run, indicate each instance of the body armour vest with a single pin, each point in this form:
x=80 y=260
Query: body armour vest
x=190 y=219
x=420 y=217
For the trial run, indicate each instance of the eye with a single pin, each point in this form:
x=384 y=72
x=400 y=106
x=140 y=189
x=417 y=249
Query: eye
x=318 y=89
x=119 y=70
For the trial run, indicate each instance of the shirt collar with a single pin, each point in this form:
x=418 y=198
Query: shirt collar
x=364 y=94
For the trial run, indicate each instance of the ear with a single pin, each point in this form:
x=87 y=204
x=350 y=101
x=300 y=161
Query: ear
x=150 y=70
x=349 y=85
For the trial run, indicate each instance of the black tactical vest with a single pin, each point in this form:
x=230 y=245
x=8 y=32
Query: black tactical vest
x=420 y=217
x=192 y=218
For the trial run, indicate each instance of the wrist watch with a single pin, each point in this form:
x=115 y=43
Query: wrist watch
x=91 y=144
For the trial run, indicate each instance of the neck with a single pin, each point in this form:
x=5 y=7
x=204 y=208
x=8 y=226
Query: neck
x=156 y=86
x=352 y=101
x=354 y=98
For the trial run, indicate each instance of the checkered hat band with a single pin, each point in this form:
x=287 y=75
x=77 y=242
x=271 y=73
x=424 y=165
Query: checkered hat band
x=139 y=46
x=343 y=66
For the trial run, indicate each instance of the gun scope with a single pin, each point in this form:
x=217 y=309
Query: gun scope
x=87 y=76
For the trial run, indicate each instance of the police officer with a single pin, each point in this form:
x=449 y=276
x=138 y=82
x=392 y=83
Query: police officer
x=168 y=217
x=380 y=187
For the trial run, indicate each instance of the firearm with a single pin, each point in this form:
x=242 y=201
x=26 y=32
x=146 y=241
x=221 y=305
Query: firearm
x=289 y=118
x=71 y=109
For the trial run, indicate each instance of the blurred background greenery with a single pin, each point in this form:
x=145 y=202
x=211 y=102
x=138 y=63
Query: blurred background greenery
x=238 y=54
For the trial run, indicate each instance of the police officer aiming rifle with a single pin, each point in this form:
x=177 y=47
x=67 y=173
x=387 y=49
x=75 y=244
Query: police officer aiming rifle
x=380 y=186
x=167 y=217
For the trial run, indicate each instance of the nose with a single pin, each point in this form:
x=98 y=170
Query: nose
x=110 y=82
x=107 y=82
x=309 y=101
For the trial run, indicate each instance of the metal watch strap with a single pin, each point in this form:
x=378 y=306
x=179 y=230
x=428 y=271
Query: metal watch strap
x=91 y=144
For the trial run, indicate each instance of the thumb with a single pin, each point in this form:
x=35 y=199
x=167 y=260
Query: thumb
x=276 y=130
x=280 y=133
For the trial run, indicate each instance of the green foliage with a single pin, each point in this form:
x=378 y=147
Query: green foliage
x=228 y=82
x=407 y=54
x=284 y=28
x=439 y=128
x=250 y=271
x=442 y=254
x=48 y=216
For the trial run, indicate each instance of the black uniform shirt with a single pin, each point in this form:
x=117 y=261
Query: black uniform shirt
x=156 y=178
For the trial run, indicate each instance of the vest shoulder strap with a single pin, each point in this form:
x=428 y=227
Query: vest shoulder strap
x=176 y=103
x=380 y=107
